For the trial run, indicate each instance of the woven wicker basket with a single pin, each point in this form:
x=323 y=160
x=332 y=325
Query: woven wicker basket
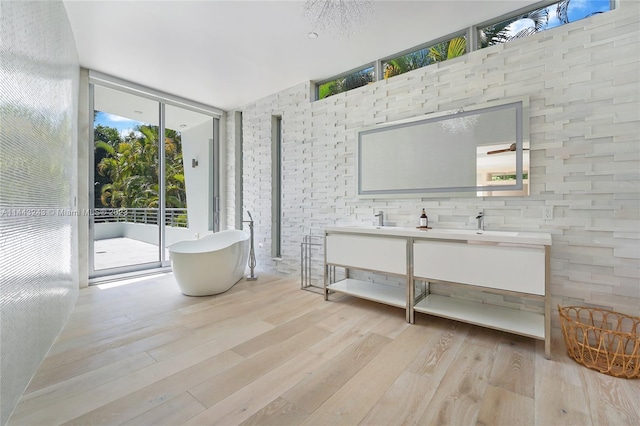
x=602 y=340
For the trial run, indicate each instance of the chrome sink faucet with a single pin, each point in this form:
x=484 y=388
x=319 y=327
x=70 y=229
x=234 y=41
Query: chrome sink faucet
x=480 y=218
x=380 y=217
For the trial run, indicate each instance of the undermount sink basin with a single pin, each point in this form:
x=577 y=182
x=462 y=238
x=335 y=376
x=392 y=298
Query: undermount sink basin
x=469 y=232
x=502 y=233
x=471 y=236
x=474 y=232
x=376 y=227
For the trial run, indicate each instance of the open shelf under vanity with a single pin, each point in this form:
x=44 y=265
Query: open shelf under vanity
x=511 y=264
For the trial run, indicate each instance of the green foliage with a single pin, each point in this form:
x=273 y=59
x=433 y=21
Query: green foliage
x=499 y=33
x=508 y=177
x=351 y=81
x=406 y=63
x=129 y=167
x=423 y=57
x=106 y=134
x=448 y=49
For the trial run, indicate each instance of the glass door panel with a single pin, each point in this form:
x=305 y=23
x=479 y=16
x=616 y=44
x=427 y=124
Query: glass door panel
x=126 y=192
x=188 y=174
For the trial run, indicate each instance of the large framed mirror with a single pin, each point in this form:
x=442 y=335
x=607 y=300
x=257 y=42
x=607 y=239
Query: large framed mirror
x=474 y=151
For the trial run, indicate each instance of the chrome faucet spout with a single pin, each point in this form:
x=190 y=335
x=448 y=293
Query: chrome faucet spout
x=380 y=217
x=480 y=218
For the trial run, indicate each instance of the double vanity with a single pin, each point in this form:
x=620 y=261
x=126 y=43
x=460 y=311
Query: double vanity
x=505 y=263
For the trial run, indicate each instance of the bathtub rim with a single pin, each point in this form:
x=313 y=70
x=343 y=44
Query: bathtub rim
x=212 y=242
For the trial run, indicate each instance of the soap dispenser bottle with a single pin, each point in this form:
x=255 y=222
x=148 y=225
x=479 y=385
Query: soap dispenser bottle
x=424 y=220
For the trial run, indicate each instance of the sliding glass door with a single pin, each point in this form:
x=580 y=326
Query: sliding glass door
x=189 y=171
x=153 y=180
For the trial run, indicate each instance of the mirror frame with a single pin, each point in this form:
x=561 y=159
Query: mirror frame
x=521 y=107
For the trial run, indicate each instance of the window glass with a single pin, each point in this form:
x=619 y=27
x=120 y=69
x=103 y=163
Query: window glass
x=439 y=52
x=538 y=20
x=351 y=81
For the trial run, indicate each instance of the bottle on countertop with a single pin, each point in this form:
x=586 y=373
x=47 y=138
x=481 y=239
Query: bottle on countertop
x=424 y=220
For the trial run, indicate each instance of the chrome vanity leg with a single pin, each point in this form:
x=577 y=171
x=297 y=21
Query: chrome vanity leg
x=326 y=284
x=547 y=303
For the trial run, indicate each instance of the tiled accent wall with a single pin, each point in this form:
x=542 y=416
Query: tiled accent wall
x=38 y=247
x=583 y=82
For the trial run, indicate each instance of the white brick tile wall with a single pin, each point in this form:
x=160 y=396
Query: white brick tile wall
x=583 y=82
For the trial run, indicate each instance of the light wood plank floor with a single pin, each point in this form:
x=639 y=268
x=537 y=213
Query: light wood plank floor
x=269 y=353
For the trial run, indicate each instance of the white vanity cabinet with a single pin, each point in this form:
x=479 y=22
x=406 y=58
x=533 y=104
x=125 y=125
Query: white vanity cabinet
x=384 y=254
x=506 y=263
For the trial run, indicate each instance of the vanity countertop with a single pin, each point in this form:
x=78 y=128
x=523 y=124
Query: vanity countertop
x=514 y=237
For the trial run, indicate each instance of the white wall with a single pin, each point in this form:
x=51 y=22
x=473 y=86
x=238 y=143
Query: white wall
x=197 y=143
x=38 y=179
x=583 y=81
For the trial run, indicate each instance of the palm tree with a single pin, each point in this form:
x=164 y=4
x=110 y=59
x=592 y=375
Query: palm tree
x=408 y=62
x=351 y=81
x=448 y=49
x=500 y=32
x=423 y=57
x=115 y=166
x=133 y=170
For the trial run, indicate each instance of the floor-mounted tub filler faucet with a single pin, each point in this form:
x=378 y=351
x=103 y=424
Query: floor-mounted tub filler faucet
x=252 y=253
x=480 y=218
x=380 y=217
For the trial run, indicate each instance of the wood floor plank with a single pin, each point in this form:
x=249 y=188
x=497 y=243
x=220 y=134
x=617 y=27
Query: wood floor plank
x=559 y=403
x=219 y=331
x=266 y=352
x=512 y=365
x=137 y=403
x=443 y=339
x=82 y=350
x=351 y=331
x=66 y=371
x=59 y=391
x=481 y=336
x=406 y=399
x=175 y=411
x=233 y=379
x=349 y=405
x=276 y=335
x=328 y=379
x=560 y=367
x=97 y=335
x=503 y=407
x=299 y=306
x=78 y=405
x=352 y=312
x=393 y=323
x=458 y=398
x=279 y=412
x=79 y=329
x=209 y=302
x=239 y=406
x=403 y=403
x=234 y=308
x=607 y=401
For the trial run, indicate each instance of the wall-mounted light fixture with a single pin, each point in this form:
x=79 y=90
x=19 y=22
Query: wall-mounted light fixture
x=194 y=163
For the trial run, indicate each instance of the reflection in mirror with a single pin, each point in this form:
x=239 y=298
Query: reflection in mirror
x=482 y=151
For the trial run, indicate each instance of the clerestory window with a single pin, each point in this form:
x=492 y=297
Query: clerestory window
x=540 y=19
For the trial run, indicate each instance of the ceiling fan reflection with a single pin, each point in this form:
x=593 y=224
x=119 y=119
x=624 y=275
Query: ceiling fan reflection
x=512 y=147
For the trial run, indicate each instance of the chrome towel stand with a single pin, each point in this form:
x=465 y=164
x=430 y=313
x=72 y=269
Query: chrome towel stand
x=252 y=252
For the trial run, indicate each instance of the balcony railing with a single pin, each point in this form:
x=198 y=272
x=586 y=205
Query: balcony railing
x=173 y=216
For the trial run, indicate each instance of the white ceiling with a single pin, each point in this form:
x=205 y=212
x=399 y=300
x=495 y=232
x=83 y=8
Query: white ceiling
x=229 y=53
x=145 y=110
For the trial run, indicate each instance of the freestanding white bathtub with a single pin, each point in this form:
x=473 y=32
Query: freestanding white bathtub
x=210 y=265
